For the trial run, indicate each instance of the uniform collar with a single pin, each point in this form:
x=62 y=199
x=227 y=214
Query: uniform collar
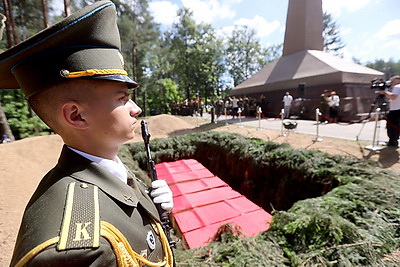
x=115 y=167
x=82 y=169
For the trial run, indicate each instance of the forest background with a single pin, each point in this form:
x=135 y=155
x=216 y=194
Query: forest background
x=187 y=61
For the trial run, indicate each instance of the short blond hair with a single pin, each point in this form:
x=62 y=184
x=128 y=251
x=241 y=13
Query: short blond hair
x=47 y=102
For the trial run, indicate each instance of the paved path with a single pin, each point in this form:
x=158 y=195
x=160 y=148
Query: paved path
x=361 y=131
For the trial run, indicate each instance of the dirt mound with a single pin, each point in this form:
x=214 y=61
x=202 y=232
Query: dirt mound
x=166 y=125
x=163 y=125
x=24 y=163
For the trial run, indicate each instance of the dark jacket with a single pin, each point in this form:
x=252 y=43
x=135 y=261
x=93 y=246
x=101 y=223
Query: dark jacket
x=127 y=209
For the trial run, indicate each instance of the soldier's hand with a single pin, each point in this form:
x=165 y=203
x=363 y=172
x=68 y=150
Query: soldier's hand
x=162 y=194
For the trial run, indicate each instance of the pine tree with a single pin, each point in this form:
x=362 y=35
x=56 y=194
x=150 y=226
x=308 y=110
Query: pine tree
x=332 y=40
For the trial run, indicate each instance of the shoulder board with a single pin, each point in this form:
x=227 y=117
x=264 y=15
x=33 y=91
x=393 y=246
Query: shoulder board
x=81 y=221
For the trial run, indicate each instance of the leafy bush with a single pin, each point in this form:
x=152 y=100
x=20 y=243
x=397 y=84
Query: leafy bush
x=22 y=121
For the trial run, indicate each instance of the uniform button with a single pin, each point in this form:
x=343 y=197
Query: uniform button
x=151 y=241
x=84 y=185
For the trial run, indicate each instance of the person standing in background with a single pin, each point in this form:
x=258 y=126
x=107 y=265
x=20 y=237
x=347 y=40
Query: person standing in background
x=393 y=117
x=287 y=104
x=333 y=102
x=324 y=107
x=235 y=106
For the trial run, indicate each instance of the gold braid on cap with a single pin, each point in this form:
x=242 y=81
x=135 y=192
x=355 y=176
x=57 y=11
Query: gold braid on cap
x=85 y=73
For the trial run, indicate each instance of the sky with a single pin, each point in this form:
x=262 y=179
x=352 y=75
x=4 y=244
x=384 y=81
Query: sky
x=370 y=29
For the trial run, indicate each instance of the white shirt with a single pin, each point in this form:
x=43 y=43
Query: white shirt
x=235 y=102
x=334 y=101
x=287 y=100
x=395 y=103
x=115 y=167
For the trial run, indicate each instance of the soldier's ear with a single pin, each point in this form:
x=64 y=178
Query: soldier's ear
x=73 y=115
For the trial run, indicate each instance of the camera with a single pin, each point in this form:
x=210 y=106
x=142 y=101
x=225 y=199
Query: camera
x=379 y=85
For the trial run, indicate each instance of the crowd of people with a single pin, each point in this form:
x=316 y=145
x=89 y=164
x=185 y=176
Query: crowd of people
x=188 y=107
x=231 y=105
x=247 y=106
x=328 y=106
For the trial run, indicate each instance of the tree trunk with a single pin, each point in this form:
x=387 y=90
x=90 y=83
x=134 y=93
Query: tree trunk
x=45 y=14
x=3 y=25
x=67 y=10
x=4 y=127
x=134 y=69
x=22 y=14
x=12 y=38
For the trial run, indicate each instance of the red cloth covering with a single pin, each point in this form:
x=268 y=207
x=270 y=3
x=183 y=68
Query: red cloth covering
x=203 y=202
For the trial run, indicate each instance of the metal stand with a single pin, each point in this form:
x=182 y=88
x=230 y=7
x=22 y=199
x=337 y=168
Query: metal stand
x=282 y=117
x=226 y=119
x=259 y=119
x=240 y=118
x=374 y=146
x=317 y=114
x=197 y=119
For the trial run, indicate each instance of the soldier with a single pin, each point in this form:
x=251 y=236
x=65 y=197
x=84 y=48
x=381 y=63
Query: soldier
x=83 y=212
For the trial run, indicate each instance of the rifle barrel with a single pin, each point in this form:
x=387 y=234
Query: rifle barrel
x=153 y=175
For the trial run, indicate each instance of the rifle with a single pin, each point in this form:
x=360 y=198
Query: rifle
x=166 y=225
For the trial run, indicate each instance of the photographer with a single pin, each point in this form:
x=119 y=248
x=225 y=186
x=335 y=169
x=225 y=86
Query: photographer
x=393 y=117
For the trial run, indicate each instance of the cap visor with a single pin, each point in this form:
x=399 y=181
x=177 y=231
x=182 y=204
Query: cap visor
x=117 y=78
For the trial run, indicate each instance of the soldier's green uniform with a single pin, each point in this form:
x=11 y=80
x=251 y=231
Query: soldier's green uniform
x=71 y=219
x=81 y=214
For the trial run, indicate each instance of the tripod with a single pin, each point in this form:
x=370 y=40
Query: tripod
x=380 y=102
x=381 y=105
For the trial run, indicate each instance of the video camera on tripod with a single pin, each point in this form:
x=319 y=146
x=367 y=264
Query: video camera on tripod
x=380 y=85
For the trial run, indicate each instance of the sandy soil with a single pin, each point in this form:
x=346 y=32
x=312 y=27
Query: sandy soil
x=26 y=161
